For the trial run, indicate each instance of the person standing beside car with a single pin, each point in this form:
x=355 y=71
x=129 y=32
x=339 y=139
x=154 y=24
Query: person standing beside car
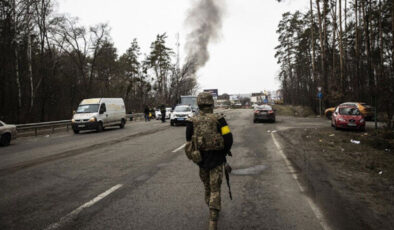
x=146 y=114
x=163 y=113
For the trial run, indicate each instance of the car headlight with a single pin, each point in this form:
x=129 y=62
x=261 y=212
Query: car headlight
x=93 y=119
x=72 y=120
x=362 y=120
x=341 y=119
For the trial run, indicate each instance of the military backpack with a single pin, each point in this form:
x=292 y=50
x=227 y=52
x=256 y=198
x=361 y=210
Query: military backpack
x=206 y=132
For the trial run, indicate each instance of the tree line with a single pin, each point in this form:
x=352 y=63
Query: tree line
x=49 y=63
x=344 y=46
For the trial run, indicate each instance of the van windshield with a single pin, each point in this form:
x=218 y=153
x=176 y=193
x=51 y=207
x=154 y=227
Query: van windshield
x=92 y=108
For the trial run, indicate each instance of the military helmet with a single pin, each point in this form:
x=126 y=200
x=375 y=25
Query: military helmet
x=204 y=98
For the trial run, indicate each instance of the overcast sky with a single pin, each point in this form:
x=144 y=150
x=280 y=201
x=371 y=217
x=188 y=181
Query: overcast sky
x=242 y=61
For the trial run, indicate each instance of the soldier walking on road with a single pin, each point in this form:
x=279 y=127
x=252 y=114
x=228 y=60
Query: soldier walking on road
x=209 y=140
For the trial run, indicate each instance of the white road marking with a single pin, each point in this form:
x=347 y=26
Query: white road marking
x=181 y=147
x=90 y=203
x=313 y=206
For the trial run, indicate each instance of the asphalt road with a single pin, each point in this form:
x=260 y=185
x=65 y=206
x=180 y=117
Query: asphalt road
x=140 y=178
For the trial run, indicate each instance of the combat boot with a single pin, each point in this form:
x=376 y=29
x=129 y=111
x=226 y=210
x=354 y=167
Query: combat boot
x=213 y=225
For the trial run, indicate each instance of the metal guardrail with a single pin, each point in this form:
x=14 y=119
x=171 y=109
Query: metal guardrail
x=54 y=124
x=42 y=125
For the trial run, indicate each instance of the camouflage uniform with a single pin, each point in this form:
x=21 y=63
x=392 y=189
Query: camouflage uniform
x=212 y=180
x=213 y=159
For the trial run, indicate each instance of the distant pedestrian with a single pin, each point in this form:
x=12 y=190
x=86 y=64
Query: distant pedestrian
x=146 y=114
x=163 y=113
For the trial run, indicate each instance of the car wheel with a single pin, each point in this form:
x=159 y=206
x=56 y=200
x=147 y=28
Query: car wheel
x=76 y=131
x=254 y=121
x=100 y=127
x=5 y=139
x=122 y=123
x=335 y=126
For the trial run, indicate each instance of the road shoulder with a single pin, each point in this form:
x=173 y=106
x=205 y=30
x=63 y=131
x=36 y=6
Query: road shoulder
x=348 y=180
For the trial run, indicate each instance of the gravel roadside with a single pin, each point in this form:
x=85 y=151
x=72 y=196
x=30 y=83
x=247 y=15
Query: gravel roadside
x=353 y=182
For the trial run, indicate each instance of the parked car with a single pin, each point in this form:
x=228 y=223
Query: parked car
x=157 y=114
x=366 y=110
x=180 y=114
x=348 y=117
x=7 y=133
x=168 y=113
x=98 y=113
x=263 y=113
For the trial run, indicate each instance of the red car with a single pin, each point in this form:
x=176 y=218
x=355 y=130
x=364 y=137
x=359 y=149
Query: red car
x=348 y=117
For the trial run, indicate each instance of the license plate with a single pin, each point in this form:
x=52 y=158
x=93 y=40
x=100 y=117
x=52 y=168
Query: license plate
x=181 y=119
x=263 y=113
x=351 y=124
x=81 y=126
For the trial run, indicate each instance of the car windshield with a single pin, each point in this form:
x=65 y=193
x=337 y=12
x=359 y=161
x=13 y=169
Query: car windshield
x=182 y=109
x=92 y=108
x=349 y=111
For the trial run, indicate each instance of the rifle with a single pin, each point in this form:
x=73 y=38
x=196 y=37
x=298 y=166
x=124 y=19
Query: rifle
x=227 y=171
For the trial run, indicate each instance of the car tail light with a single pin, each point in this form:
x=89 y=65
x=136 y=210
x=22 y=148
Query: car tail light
x=256 y=111
x=271 y=111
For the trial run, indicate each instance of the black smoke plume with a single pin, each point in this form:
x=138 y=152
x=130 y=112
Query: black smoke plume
x=205 y=22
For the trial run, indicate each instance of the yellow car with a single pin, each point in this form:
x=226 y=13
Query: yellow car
x=366 y=110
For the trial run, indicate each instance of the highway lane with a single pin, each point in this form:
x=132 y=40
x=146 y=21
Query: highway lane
x=27 y=149
x=153 y=185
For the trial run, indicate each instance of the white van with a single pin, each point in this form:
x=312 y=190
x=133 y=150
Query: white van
x=98 y=113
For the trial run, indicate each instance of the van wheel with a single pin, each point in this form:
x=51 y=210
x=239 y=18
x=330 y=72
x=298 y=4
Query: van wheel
x=5 y=139
x=122 y=123
x=76 y=131
x=100 y=127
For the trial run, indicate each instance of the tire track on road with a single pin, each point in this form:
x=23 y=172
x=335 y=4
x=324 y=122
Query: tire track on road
x=27 y=164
